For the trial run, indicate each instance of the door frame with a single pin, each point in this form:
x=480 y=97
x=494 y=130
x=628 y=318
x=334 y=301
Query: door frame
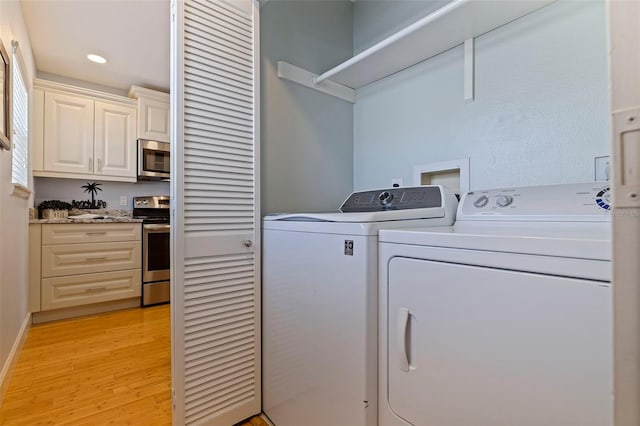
x=624 y=57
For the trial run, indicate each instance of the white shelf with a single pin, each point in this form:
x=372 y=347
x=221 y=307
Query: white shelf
x=437 y=32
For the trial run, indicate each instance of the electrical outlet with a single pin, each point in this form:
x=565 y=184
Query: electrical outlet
x=396 y=182
x=602 y=168
x=123 y=200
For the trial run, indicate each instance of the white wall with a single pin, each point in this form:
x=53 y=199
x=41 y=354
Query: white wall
x=540 y=114
x=306 y=136
x=70 y=189
x=14 y=216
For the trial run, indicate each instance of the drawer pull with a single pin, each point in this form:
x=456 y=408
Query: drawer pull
x=96 y=233
x=95 y=289
x=96 y=258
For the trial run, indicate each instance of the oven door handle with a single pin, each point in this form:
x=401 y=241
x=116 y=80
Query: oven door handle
x=156 y=227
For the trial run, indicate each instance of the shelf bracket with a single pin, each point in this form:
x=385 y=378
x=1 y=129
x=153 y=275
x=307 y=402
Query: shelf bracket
x=308 y=79
x=469 y=70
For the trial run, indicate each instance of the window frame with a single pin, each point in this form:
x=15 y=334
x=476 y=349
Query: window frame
x=5 y=99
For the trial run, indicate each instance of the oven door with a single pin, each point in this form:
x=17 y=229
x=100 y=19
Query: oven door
x=156 y=261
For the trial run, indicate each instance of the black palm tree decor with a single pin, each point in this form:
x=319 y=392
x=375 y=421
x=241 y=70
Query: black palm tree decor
x=92 y=188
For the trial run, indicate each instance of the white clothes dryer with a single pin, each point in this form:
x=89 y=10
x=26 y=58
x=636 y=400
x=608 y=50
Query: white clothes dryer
x=319 y=304
x=505 y=318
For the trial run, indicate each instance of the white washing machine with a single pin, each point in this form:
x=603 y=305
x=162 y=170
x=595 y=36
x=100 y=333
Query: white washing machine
x=504 y=319
x=319 y=304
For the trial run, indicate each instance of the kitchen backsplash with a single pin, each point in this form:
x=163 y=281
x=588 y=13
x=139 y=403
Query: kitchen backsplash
x=70 y=189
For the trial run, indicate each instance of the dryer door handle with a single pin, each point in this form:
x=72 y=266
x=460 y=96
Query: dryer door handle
x=401 y=340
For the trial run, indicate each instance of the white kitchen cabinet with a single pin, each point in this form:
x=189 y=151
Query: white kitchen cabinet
x=88 y=233
x=74 y=259
x=83 y=134
x=68 y=133
x=114 y=139
x=153 y=114
x=76 y=265
x=64 y=292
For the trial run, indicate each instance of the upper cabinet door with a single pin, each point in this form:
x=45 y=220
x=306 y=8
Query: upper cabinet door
x=68 y=133
x=115 y=140
x=153 y=120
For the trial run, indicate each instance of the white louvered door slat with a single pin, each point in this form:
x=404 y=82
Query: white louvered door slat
x=215 y=230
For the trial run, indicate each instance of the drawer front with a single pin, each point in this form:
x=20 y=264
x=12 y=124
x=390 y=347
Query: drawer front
x=72 y=259
x=91 y=288
x=90 y=233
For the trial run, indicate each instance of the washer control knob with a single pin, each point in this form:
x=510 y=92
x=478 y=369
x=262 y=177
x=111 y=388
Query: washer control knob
x=603 y=198
x=481 y=201
x=504 y=200
x=385 y=197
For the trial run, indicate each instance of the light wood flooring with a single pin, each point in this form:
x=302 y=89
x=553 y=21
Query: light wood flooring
x=106 y=369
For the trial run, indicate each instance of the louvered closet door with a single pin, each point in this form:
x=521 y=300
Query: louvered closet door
x=215 y=263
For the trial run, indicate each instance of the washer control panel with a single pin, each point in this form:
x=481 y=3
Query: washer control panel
x=418 y=197
x=587 y=200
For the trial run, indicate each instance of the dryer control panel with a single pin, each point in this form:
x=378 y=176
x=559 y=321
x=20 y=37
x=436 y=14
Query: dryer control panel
x=418 y=197
x=570 y=202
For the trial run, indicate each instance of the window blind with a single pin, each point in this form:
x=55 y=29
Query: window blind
x=20 y=121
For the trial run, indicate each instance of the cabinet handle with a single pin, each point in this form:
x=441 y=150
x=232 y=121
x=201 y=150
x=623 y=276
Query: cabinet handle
x=96 y=233
x=96 y=258
x=90 y=164
x=95 y=289
x=99 y=165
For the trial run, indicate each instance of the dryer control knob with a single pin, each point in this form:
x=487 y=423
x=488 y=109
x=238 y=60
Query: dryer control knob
x=385 y=197
x=481 y=201
x=504 y=200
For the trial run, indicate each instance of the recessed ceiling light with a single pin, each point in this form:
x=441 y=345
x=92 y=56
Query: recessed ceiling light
x=96 y=58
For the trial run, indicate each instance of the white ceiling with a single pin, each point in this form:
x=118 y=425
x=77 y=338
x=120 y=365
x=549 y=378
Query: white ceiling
x=132 y=34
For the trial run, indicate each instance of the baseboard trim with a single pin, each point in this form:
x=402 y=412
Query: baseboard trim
x=266 y=419
x=9 y=365
x=77 y=311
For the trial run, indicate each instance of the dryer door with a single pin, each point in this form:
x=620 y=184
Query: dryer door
x=487 y=347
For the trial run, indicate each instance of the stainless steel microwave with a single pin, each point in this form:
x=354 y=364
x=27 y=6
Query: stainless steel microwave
x=153 y=160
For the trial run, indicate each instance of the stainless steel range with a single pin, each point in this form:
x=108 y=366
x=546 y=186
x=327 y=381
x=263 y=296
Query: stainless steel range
x=156 y=262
